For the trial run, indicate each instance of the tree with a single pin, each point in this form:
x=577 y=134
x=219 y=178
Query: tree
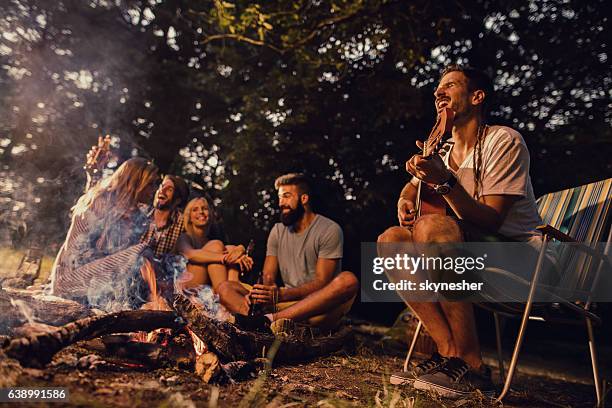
x=233 y=93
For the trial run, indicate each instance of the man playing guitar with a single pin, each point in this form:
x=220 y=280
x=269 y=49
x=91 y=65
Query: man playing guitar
x=484 y=179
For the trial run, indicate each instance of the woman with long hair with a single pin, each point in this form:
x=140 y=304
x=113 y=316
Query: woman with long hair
x=102 y=254
x=210 y=262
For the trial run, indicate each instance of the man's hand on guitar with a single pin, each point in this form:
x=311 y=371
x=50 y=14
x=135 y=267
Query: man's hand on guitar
x=406 y=213
x=431 y=170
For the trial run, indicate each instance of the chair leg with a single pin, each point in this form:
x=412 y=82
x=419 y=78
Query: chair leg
x=524 y=320
x=412 y=345
x=500 y=356
x=593 y=351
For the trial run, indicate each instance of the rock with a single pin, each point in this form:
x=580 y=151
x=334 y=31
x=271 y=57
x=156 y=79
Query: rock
x=178 y=400
x=207 y=366
x=90 y=362
x=170 y=381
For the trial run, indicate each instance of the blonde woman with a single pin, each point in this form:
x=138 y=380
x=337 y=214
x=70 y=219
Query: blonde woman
x=101 y=256
x=210 y=262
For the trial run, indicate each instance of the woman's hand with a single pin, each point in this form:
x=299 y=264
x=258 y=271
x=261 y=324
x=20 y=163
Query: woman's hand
x=246 y=263
x=98 y=156
x=233 y=255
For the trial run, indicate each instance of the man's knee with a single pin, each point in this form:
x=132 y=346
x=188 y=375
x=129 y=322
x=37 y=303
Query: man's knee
x=394 y=234
x=436 y=228
x=347 y=283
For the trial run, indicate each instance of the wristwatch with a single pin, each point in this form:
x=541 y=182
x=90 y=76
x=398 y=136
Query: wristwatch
x=447 y=186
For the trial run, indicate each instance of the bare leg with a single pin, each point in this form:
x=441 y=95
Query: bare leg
x=210 y=274
x=465 y=337
x=198 y=276
x=234 y=297
x=464 y=341
x=216 y=272
x=431 y=314
x=451 y=325
x=340 y=290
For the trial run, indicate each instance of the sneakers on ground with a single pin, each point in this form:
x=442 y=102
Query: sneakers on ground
x=455 y=379
x=424 y=367
x=259 y=323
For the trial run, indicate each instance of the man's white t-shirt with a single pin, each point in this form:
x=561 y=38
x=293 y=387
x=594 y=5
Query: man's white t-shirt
x=505 y=171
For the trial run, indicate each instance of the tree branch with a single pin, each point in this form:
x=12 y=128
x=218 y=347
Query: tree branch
x=288 y=47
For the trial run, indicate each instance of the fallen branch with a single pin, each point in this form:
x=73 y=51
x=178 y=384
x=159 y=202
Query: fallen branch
x=17 y=306
x=38 y=350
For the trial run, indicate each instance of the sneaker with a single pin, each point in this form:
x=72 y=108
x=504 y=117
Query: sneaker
x=455 y=379
x=259 y=323
x=424 y=367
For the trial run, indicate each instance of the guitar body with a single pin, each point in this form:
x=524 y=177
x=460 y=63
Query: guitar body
x=430 y=201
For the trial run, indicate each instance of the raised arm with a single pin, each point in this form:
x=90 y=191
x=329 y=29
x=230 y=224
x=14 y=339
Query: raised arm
x=96 y=160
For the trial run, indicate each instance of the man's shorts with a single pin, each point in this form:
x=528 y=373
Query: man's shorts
x=494 y=286
x=325 y=321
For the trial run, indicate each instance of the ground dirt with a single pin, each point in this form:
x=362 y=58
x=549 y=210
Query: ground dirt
x=360 y=379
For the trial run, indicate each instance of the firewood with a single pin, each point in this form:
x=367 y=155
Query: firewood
x=232 y=344
x=18 y=306
x=39 y=349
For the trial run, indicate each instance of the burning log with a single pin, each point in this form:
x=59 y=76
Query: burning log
x=38 y=350
x=231 y=344
x=18 y=306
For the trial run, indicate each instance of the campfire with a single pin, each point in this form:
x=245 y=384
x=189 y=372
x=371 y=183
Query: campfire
x=174 y=331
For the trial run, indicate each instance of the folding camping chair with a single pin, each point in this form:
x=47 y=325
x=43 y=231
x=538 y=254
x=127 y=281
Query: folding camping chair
x=579 y=215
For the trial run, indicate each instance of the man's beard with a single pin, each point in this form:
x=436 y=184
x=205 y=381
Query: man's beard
x=162 y=206
x=292 y=216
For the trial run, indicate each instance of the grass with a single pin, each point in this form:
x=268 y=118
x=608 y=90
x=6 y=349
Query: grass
x=10 y=259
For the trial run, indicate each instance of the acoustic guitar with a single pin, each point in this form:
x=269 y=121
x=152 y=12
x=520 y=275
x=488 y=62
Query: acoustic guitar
x=427 y=200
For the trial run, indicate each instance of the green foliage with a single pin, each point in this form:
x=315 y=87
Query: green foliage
x=234 y=93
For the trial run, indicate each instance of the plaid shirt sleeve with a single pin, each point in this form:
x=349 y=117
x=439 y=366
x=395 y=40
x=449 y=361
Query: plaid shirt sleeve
x=166 y=243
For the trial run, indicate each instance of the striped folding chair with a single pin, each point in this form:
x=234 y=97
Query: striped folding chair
x=582 y=216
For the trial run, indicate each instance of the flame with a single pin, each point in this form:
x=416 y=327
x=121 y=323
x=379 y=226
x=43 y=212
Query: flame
x=148 y=274
x=159 y=303
x=139 y=337
x=198 y=344
x=129 y=365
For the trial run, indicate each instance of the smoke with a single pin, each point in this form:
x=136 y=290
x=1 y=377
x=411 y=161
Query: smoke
x=65 y=81
x=203 y=295
x=24 y=309
x=209 y=301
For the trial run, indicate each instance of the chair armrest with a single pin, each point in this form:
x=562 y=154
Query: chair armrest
x=560 y=236
x=554 y=233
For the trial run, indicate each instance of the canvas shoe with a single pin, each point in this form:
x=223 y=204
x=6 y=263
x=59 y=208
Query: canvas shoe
x=424 y=367
x=454 y=379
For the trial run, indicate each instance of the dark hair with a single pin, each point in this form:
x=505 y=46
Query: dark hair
x=295 y=179
x=477 y=79
x=181 y=191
